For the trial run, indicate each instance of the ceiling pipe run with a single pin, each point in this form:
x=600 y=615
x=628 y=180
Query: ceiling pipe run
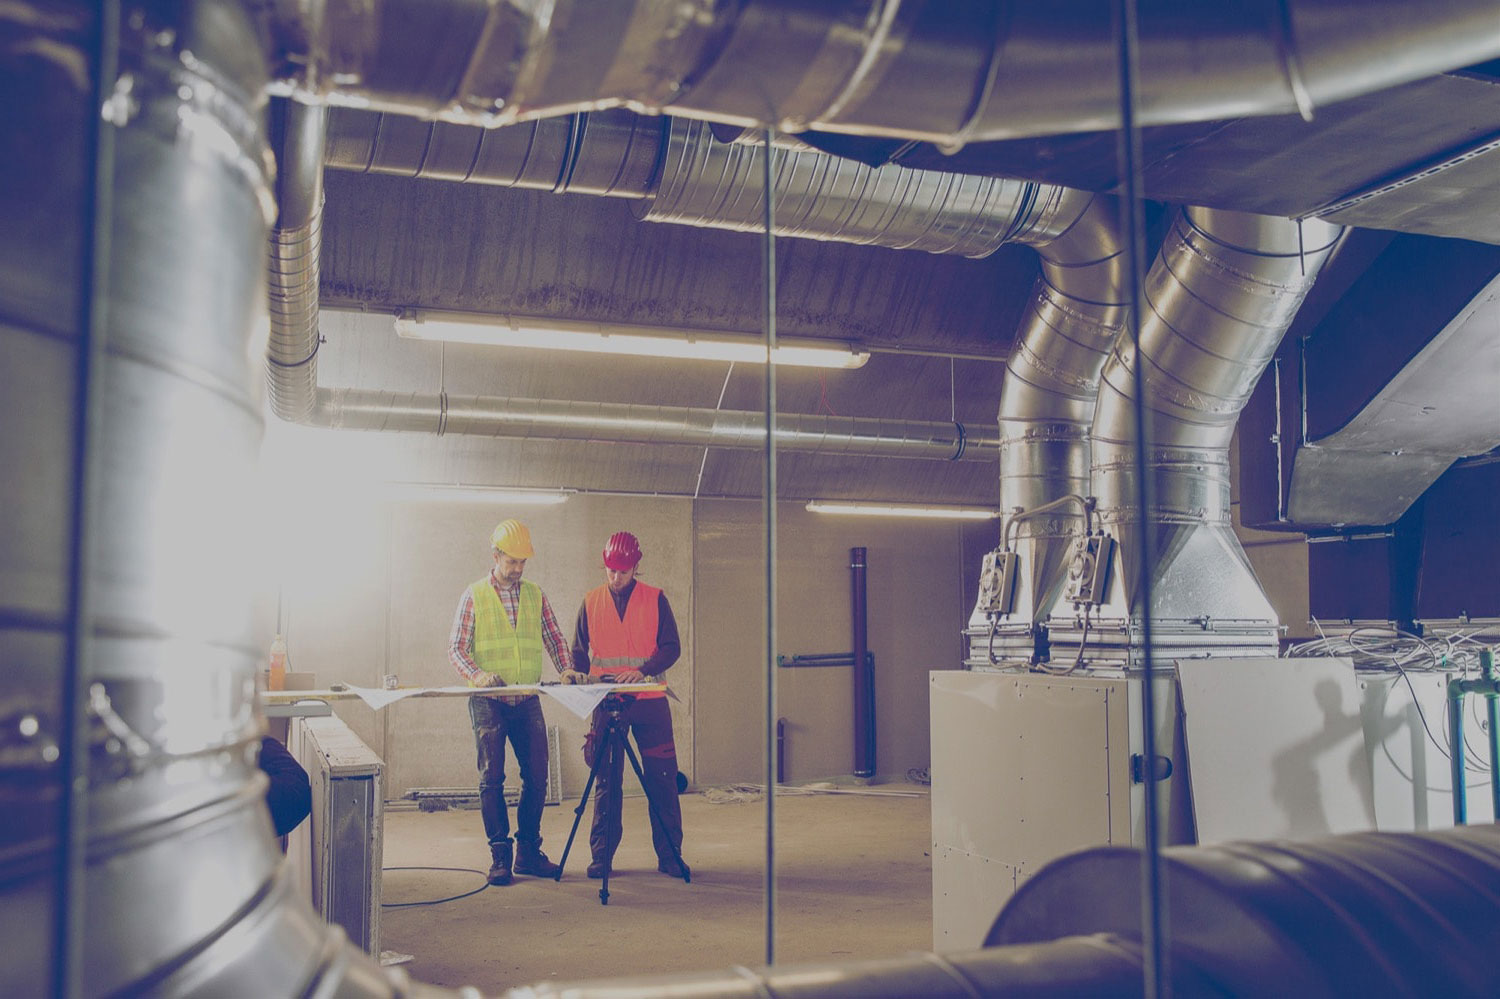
x=543 y=419
x=934 y=72
x=1220 y=296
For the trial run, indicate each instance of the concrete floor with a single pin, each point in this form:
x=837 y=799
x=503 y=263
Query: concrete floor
x=854 y=880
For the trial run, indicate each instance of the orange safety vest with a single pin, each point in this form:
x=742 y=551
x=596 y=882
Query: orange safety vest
x=615 y=644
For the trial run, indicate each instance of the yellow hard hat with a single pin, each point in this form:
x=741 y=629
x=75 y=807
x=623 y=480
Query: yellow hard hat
x=512 y=538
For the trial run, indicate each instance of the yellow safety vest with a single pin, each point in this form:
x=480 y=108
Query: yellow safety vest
x=513 y=652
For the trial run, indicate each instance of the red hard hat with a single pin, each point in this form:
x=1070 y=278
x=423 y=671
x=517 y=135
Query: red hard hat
x=622 y=551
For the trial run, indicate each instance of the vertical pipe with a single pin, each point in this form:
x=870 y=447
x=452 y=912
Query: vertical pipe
x=781 y=751
x=769 y=267
x=1133 y=197
x=1487 y=670
x=67 y=926
x=864 y=757
x=1456 y=753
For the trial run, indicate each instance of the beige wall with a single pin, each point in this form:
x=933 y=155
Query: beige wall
x=915 y=598
x=377 y=586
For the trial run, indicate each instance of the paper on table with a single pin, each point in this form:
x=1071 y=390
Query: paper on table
x=379 y=697
x=581 y=700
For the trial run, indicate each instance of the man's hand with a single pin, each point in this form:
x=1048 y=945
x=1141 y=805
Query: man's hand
x=488 y=680
x=631 y=676
x=572 y=676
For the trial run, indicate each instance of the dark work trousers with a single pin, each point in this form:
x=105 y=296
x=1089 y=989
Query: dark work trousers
x=496 y=719
x=650 y=721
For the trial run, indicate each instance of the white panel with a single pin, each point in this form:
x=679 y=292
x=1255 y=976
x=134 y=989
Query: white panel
x=1413 y=783
x=968 y=890
x=1276 y=748
x=1025 y=769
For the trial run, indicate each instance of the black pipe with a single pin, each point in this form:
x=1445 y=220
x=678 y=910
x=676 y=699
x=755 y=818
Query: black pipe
x=864 y=743
x=781 y=751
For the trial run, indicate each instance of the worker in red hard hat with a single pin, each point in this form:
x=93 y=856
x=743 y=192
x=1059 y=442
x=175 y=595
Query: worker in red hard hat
x=502 y=625
x=626 y=631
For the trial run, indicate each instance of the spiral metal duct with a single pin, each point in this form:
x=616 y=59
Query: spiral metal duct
x=182 y=886
x=938 y=72
x=1077 y=311
x=1218 y=300
x=680 y=173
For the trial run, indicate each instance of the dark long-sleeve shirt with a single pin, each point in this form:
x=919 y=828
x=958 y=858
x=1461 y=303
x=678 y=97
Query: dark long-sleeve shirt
x=668 y=645
x=289 y=796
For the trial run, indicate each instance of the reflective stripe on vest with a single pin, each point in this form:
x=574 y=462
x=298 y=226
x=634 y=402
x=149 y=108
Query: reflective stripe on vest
x=513 y=652
x=617 y=645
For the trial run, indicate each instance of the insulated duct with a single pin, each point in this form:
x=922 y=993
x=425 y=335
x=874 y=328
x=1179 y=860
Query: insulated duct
x=936 y=72
x=181 y=887
x=1218 y=299
x=1363 y=914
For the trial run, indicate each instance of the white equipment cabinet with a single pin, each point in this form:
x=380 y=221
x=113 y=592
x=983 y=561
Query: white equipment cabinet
x=337 y=852
x=1027 y=767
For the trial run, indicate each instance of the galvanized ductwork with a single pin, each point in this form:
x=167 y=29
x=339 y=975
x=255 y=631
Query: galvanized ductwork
x=181 y=889
x=1075 y=317
x=933 y=72
x=1221 y=294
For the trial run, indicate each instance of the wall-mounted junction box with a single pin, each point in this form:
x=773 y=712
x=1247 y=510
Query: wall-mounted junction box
x=1088 y=576
x=997 y=582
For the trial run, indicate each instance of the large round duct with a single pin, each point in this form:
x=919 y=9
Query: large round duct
x=178 y=887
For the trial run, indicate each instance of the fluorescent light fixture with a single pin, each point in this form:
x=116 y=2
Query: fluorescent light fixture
x=613 y=338
x=904 y=510
x=498 y=495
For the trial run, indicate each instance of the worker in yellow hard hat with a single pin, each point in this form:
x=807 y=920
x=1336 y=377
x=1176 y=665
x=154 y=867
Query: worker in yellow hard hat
x=502 y=625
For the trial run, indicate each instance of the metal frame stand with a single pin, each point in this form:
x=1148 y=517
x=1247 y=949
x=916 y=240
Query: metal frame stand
x=614 y=739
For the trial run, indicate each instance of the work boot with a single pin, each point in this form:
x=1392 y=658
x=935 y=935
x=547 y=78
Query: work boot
x=500 y=869
x=597 y=868
x=673 y=869
x=531 y=860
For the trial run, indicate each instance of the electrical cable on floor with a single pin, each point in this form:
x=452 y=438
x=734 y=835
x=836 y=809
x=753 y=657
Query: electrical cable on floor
x=731 y=794
x=435 y=901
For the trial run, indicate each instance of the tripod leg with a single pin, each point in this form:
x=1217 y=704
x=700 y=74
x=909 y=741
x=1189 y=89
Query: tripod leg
x=612 y=735
x=687 y=874
x=578 y=815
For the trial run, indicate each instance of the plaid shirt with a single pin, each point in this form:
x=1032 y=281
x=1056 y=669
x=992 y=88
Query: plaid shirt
x=461 y=641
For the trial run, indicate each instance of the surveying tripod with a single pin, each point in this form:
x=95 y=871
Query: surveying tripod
x=612 y=740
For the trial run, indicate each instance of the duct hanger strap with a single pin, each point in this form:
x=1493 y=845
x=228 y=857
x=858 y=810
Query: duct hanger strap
x=318 y=341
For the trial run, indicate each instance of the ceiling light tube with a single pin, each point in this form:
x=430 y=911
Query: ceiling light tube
x=455 y=492
x=903 y=510
x=614 y=338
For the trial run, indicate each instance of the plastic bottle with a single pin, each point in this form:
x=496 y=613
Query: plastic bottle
x=277 y=680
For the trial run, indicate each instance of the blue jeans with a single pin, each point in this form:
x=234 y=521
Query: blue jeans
x=496 y=719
